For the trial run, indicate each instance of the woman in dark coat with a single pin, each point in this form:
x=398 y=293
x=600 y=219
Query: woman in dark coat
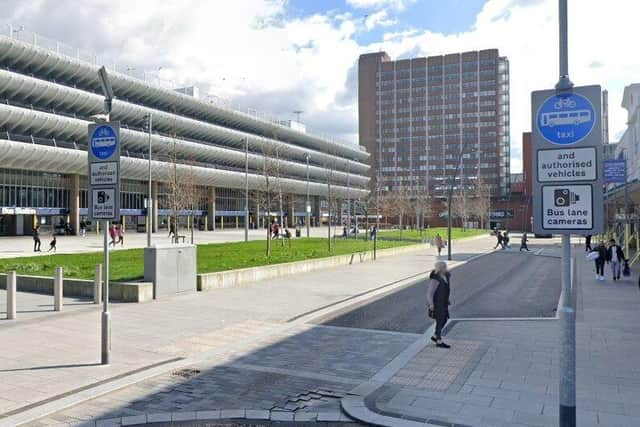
x=438 y=297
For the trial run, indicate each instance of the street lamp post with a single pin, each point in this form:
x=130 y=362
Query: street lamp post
x=246 y=189
x=308 y=207
x=453 y=180
x=109 y=95
x=149 y=200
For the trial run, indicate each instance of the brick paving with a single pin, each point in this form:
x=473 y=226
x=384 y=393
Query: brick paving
x=306 y=369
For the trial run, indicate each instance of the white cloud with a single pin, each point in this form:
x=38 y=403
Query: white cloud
x=380 y=4
x=251 y=52
x=378 y=19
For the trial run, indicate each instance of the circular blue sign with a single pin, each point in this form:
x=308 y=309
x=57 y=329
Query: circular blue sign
x=565 y=119
x=104 y=142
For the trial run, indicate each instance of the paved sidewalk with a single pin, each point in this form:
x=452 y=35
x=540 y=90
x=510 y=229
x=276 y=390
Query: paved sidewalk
x=31 y=306
x=505 y=372
x=60 y=354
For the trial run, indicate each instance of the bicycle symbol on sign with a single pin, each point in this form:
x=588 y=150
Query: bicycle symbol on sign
x=564 y=103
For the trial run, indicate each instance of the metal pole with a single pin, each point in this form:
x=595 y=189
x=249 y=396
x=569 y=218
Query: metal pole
x=308 y=207
x=567 y=410
x=149 y=201
x=568 y=345
x=455 y=173
x=246 y=189
x=106 y=317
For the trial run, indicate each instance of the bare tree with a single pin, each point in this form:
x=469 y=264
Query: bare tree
x=183 y=191
x=267 y=193
x=462 y=206
x=330 y=201
x=481 y=202
x=422 y=208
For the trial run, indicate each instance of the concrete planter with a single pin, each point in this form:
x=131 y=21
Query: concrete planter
x=119 y=291
x=231 y=278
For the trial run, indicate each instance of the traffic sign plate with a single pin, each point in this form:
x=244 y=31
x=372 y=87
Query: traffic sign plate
x=574 y=164
x=103 y=203
x=565 y=118
x=566 y=141
x=104 y=141
x=104 y=171
x=567 y=207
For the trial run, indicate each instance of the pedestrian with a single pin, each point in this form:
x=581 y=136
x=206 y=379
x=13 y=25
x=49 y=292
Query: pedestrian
x=587 y=243
x=601 y=250
x=83 y=228
x=616 y=257
x=438 y=297
x=505 y=239
x=121 y=234
x=172 y=230
x=499 y=242
x=52 y=244
x=439 y=243
x=523 y=242
x=36 y=239
x=275 y=230
x=374 y=231
x=112 y=234
x=344 y=232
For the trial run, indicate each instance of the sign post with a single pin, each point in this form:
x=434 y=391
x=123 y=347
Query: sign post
x=567 y=197
x=104 y=202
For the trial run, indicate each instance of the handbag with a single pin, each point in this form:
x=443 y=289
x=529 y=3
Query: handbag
x=432 y=314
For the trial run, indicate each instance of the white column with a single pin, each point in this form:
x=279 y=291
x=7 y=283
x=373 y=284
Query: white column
x=57 y=289
x=11 y=295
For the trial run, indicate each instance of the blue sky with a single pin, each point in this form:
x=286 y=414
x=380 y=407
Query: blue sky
x=441 y=16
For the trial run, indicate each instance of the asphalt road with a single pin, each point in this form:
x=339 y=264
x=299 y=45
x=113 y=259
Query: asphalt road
x=500 y=284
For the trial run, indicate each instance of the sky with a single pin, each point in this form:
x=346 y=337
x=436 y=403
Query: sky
x=280 y=56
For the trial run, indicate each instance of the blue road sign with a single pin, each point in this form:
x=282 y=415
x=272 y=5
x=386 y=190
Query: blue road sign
x=104 y=142
x=565 y=119
x=614 y=171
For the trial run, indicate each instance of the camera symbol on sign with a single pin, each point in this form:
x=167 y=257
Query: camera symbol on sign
x=563 y=197
x=103 y=197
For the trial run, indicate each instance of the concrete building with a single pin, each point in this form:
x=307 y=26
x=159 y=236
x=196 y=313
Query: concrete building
x=418 y=116
x=49 y=97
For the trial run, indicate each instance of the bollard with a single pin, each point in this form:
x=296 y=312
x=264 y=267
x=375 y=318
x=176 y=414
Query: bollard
x=11 y=295
x=97 y=285
x=57 y=289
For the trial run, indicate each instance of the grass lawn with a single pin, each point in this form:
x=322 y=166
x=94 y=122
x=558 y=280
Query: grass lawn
x=127 y=264
x=430 y=233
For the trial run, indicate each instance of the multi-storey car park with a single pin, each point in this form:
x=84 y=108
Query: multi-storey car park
x=48 y=99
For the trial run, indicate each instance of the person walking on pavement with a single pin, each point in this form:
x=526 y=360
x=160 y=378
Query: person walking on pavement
x=52 y=244
x=36 y=239
x=601 y=249
x=505 y=239
x=616 y=257
x=439 y=243
x=587 y=243
x=523 y=242
x=121 y=234
x=172 y=230
x=438 y=298
x=500 y=241
x=112 y=234
x=83 y=228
